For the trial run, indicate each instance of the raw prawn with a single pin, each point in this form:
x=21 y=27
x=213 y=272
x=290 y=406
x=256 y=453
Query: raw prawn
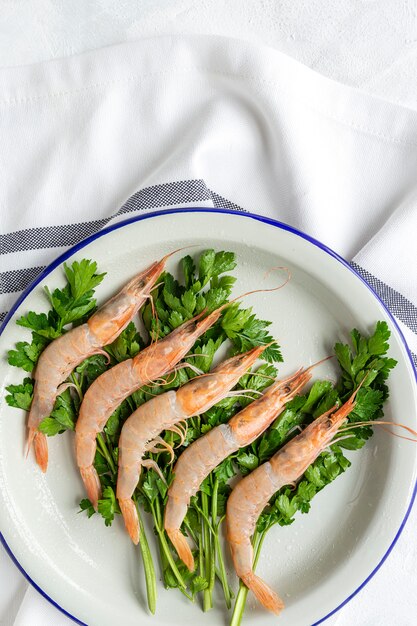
x=109 y=390
x=63 y=354
x=202 y=456
x=140 y=431
x=252 y=494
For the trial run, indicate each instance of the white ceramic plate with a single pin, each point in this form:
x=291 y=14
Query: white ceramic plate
x=94 y=573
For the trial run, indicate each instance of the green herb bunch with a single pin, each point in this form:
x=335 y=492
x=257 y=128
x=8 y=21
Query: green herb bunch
x=364 y=361
x=203 y=285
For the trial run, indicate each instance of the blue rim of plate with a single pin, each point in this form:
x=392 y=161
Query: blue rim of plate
x=260 y=218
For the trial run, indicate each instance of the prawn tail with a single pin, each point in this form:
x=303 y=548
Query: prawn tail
x=31 y=436
x=92 y=484
x=40 y=445
x=130 y=516
x=181 y=545
x=266 y=596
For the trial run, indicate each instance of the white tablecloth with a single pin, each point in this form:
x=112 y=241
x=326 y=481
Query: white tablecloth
x=249 y=125
x=365 y=43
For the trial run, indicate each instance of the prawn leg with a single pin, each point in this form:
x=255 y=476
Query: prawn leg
x=160 y=445
x=182 y=433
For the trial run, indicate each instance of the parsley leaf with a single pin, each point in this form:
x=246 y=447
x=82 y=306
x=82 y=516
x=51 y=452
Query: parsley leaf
x=358 y=363
x=108 y=506
x=82 y=278
x=198 y=583
x=378 y=342
x=20 y=396
x=225 y=470
x=127 y=344
x=206 y=266
x=85 y=505
x=20 y=357
x=70 y=304
x=50 y=426
x=63 y=416
x=43 y=324
x=188 y=269
x=75 y=300
x=246 y=331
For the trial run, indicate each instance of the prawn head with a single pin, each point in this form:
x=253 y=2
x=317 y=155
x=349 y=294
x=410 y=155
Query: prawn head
x=109 y=321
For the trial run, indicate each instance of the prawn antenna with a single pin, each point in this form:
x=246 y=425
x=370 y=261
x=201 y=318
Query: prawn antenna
x=293 y=376
x=348 y=406
x=248 y=293
x=383 y=424
x=153 y=332
x=317 y=363
x=244 y=393
x=167 y=256
x=161 y=382
x=215 y=372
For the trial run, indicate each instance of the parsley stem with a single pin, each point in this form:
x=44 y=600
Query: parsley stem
x=164 y=563
x=212 y=578
x=217 y=551
x=219 y=577
x=208 y=557
x=240 y=602
x=170 y=559
x=201 y=554
x=163 y=556
x=165 y=547
x=205 y=517
x=214 y=500
x=105 y=452
x=158 y=512
x=148 y=566
x=190 y=531
x=77 y=386
x=222 y=571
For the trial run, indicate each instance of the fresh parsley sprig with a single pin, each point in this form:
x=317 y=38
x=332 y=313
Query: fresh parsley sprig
x=363 y=361
x=20 y=396
x=70 y=305
x=207 y=288
x=203 y=287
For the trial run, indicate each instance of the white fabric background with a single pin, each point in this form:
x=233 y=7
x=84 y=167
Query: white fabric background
x=371 y=44
x=258 y=128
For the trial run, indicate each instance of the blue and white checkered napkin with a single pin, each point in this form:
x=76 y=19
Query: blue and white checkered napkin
x=210 y=122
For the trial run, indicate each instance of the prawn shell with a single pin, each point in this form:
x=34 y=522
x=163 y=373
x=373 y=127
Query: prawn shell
x=197 y=461
x=137 y=432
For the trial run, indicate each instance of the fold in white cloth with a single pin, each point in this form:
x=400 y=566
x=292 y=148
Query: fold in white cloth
x=207 y=121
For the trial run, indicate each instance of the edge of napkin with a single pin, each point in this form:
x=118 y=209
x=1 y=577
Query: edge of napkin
x=143 y=59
